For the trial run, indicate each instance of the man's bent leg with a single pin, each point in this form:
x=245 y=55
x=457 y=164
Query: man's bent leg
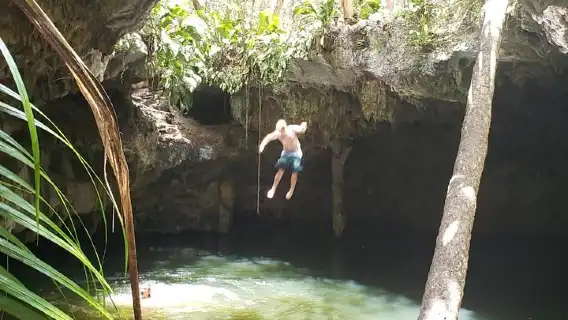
x=277 y=178
x=293 y=180
x=296 y=167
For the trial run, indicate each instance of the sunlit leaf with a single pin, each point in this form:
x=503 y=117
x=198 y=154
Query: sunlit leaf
x=29 y=116
x=15 y=288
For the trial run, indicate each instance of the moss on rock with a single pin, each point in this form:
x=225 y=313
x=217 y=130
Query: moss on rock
x=331 y=113
x=375 y=104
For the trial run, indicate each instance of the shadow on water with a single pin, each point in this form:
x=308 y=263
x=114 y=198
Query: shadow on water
x=290 y=271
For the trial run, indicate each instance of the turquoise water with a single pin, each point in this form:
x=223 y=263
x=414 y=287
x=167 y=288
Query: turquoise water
x=304 y=273
x=185 y=286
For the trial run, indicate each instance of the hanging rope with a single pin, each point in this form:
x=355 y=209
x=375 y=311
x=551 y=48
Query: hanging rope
x=225 y=109
x=246 y=115
x=258 y=162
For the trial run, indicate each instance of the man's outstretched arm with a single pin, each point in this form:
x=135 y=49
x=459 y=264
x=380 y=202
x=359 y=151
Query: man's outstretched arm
x=299 y=128
x=269 y=137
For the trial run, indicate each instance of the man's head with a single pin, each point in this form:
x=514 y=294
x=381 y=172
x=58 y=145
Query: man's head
x=280 y=125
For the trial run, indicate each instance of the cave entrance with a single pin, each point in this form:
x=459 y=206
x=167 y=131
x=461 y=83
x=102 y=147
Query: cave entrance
x=211 y=106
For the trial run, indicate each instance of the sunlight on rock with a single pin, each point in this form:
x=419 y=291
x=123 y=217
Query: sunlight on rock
x=450 y=232
x=437 y=310
x=453 y=179
x=206 y=153
x=469 y=193
x=455 y=296
x=493 y=15
x=440 y=308
x=493 y=65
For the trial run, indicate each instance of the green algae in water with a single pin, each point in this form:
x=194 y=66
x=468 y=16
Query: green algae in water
x=221 y=288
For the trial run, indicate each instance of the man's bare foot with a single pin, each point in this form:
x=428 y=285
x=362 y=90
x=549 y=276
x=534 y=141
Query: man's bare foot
x=289 y=194
x=270 y=193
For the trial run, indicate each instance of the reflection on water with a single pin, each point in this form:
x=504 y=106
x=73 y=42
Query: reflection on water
x=185 y=286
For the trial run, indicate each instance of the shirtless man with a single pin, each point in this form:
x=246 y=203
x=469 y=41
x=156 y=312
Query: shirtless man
x=291 y=156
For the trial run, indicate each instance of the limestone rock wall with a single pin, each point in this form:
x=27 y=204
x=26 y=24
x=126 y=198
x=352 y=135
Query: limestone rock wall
x=396 y=106
x=92 y=27
x=157 y=139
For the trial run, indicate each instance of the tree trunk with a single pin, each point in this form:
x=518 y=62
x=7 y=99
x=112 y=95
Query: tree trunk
x=347 y=10
x=446 y=279
x=278 y=7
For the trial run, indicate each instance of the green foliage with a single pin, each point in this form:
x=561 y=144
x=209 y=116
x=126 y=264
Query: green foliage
x=19 y=205
x=172 y=36
x=316 y=19
x=323 y=13
x=128 y=43
x=188 y=47
x=367 y=7
x=419 y=17
x=225 y=48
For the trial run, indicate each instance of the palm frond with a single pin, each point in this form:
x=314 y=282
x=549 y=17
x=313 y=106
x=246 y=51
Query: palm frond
x=20 y=204
x=102 y=109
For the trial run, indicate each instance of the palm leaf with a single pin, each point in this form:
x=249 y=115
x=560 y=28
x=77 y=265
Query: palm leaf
x=12 y=247
x=60 y=136
x=21 y=115
x=102 y=110
x=14 y=208
x=59 y=237
x=16 y=289
x=29 y=259
x=92 y=175
x=13 y=306
x=29 y=116
x=25 y=187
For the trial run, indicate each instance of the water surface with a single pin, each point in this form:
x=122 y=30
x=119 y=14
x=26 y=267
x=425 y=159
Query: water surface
x=304 y=273
x=188 y=286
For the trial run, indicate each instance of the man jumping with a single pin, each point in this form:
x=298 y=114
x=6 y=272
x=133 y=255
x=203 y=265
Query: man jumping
x=291 y=156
